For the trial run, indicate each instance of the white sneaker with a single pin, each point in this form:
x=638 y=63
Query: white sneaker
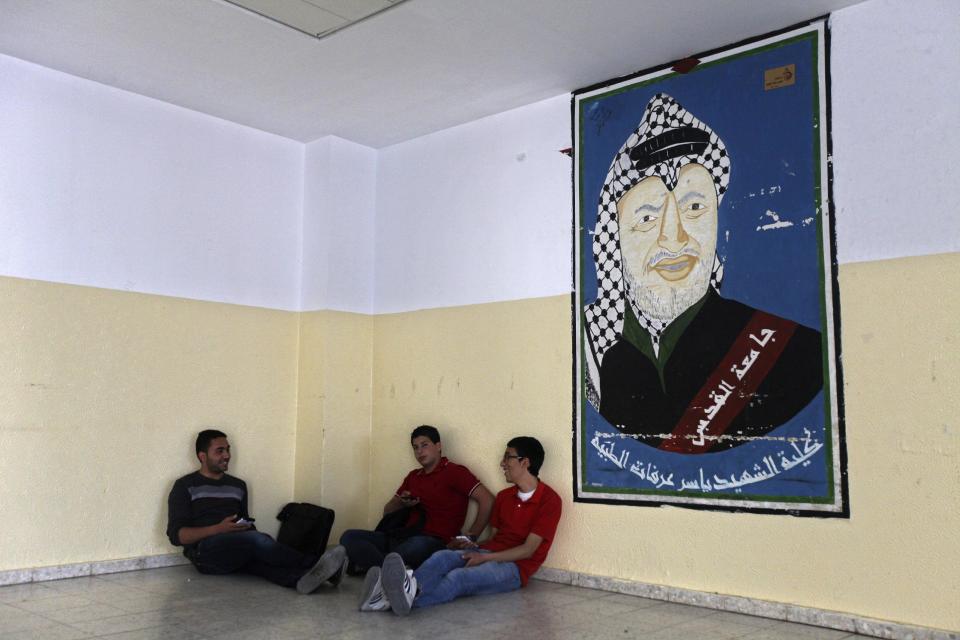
x=399 y=586
x=372 y=598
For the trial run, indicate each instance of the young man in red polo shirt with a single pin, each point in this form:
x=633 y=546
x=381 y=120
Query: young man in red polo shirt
x=525 y=518
x=443 y=489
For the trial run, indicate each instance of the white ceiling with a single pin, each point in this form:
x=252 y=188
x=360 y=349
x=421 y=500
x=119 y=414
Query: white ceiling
x=416 y=68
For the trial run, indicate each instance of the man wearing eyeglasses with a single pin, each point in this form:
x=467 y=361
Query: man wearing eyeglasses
x=524 y=520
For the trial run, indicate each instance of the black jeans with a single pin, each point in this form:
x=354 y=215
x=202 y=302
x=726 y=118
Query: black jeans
x=251 y=552
x=367 y=549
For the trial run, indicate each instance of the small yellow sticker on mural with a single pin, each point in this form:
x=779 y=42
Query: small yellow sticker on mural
x=779 y=77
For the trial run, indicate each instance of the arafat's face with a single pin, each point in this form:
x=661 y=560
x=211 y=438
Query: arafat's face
x=665 y=235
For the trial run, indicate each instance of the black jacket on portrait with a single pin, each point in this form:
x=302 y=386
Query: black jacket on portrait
x=635 y=399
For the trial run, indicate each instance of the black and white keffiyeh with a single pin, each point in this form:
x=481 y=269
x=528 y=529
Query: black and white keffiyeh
x=667 y=138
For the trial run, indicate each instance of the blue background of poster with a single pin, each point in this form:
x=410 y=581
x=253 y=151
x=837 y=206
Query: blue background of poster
x=770 y=136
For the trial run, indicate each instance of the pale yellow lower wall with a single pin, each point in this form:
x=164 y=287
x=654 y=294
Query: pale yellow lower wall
x=333 y=415
x=102 y=392
x=485 y=373
x=101 y=396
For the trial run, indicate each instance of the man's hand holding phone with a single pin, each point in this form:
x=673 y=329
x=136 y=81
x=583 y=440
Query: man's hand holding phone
x=234 y=523
x=462 y=542
x=407 y=499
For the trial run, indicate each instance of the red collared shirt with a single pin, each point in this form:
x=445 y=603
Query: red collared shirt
x=514 y=520
x=444 y=493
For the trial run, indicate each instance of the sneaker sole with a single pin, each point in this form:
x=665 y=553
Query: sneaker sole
x=391 y=577
x=326 y=566
x=369 y=585
x=337 y=576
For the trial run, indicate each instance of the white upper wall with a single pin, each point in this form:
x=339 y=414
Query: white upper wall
x=338 y=226
x=483 y=211
x=110 y=189
x=476 y=213
x=106 y=188
x=896 y=90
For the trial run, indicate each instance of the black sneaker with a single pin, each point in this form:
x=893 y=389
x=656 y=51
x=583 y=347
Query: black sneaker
x=329 y=565
x=337 y=577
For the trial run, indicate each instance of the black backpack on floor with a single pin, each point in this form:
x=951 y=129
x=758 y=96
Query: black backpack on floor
x=398 y=527
x=305 y=527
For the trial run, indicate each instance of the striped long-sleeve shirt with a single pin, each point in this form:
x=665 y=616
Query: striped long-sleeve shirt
x=198 y=501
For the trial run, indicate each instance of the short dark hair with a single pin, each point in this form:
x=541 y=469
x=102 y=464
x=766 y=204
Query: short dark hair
x=426 y=431
x=205 y=437
x=530 y=448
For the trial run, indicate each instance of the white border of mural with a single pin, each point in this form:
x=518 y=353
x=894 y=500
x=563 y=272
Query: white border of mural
x=739 y=489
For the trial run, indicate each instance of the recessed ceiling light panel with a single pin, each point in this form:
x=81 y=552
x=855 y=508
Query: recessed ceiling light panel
x=316 y=18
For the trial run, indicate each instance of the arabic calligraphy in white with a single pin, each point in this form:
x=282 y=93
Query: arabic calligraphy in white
x=799 y=453
x=720 y=395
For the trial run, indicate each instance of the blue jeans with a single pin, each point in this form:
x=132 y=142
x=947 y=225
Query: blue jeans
x=251 y=552
x=367 y=549
x=444 y=576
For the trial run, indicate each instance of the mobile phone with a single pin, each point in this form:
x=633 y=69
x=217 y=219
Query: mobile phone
x=245 y=520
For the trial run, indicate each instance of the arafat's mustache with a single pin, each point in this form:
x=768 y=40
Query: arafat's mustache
x=663 y=254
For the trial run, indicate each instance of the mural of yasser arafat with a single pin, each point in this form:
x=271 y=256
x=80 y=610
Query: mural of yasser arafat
x=669 y=359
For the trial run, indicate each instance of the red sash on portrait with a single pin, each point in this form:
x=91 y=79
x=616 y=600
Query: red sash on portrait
x=732 y=384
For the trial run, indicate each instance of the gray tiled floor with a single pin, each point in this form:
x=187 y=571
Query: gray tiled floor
x=178 y=603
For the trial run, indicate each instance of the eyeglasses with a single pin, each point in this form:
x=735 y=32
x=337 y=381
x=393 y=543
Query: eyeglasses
x=508 y=456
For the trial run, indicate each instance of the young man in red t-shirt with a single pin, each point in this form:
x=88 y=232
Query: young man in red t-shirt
x=443 y=489
x=525 y=518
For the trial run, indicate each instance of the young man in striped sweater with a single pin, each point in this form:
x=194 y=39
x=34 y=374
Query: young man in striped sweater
x=208 y=516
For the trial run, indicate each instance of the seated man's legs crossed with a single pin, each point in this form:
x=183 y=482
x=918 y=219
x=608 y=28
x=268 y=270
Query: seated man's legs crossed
x=259 y=554
x=525 y=518
x=445 y=577
x=208 y=516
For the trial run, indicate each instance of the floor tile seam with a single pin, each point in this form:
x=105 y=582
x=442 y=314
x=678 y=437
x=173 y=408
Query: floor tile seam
x=25 y=615
x=622 y=616
x=633 y=615
x=702 y=622
x=657 y=623
x=609 y=625
x=125 y=615
x=18 y=607
x=95 y=591
x=99 y=598
x=117 y=615
x=723 y=634
x=116 y=633
x=53 y=623
x=11 y=602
